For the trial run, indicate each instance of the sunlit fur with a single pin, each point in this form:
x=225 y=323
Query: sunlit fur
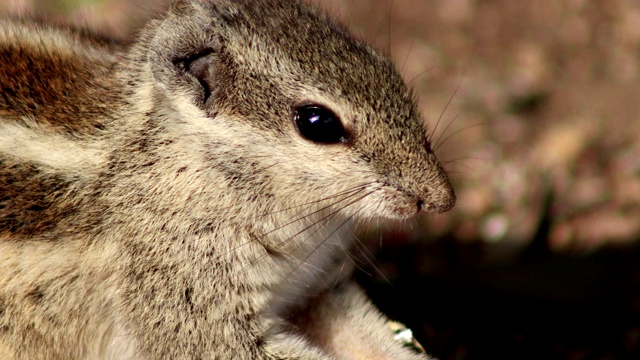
x=140 y=219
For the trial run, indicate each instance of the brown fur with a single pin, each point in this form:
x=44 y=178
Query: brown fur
x=59 y=77
x=152 y=209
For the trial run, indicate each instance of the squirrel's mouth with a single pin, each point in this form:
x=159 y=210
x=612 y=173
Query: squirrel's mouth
x=390 y=202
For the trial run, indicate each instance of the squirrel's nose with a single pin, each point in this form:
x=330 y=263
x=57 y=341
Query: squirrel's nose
x=439 y=198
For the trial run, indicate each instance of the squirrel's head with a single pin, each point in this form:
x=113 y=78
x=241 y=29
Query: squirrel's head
x=286 y=105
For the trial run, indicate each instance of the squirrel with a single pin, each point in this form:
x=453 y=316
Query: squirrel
x=192 y=194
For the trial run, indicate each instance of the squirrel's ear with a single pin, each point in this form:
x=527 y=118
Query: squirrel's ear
x=183 y=50
x=202 y=67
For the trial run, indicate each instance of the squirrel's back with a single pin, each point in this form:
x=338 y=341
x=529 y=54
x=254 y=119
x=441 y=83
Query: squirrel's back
x=57 y=94
x=53 y=76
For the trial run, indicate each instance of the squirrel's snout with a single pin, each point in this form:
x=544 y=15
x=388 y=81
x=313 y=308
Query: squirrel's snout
x=439 y=206
x=438 y=198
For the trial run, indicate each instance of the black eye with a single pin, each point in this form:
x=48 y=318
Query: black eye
x=319 y=124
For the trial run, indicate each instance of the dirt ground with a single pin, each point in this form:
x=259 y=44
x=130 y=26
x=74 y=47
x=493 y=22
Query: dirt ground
x=534 y=108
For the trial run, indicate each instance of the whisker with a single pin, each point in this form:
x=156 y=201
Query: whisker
x=354 y=262
x=370 y=258
x=337 y=278
x=348 y=254
x=406 y=59
x=442 y=115
x=438 y=145
x=446 y=162
x=280 y=227
x=389 y=27
x=410 y=82
x=467 y=171
x=283 y=242
x=321 y=243
x=333 y=213
x=312 y=213
x=354 y=189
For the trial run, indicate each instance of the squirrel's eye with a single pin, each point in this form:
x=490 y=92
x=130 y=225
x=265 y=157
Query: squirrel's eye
x=319 y=124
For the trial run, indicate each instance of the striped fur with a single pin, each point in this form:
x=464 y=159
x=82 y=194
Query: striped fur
x=148 y=211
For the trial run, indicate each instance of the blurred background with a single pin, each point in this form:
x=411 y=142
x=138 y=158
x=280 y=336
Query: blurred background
x=534 y=110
